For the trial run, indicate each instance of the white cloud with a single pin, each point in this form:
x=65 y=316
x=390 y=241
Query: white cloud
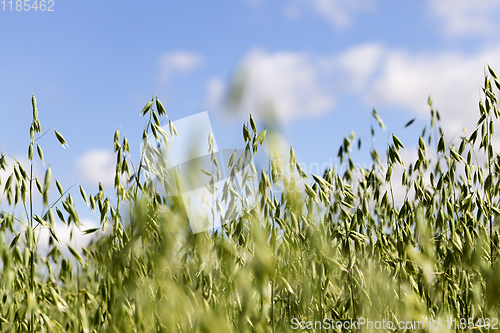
x=454 y=80
x=295 y=83
x=356 y=66
x=385 y=77
x=282 y=85
x=178 y=62
x=98 y=165
x=338 y=12
x=464 y=17
x=216 y=89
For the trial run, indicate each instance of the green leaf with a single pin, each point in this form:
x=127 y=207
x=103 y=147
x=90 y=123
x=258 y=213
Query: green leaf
x=33 y=102
x=146 y=108
x=30 y=152
x=246 y=133
x=388 y=173
x=461 y=148
x=301 y=172
x=262 y=136
x=492 y=72
x=380 y=122
x=156 y=119
x=160 y=108
x=441 y=145
x=173 y=130
x=38 y=186
x=52 y=220
x=346 y=204
x=310 y=192
x=455 y=155
x=14 y=241
x=483 y=112
x=48 y=177
x=40 y=220
x=398 y=157
x=397 y=142
x=84 y=195
x=410 y=122
x=46 y=185
x=90 y=231
x=421 y=143
x=61 y=139
x=252 y=123
x=7 y=184
x=117 y=136
x=60 y=215
x=40 y=153
x=59 y=188
x=287 y=285
x=75 y=254
x=231 y=159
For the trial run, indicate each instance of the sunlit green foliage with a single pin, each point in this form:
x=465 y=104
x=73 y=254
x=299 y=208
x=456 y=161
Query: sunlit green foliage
x=341 y=248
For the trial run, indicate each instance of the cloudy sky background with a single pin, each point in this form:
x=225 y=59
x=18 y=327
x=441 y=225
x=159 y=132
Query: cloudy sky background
x=323 y=65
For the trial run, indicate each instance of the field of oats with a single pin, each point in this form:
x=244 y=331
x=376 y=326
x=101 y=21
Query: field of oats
x=337 y=249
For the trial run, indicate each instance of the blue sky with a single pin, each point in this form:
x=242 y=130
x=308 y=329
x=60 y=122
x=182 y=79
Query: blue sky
x=323 y=64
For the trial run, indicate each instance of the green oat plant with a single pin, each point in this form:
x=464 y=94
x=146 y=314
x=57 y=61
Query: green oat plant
x=31 y=290
x=335 y=246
